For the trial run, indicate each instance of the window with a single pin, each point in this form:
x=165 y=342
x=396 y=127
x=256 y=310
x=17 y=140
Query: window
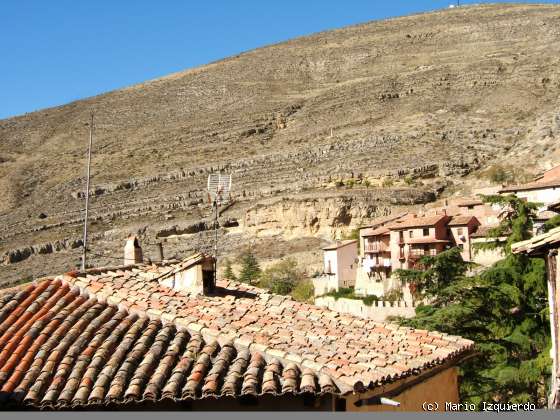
x=426 y=231
x=461 y=246
x=410 y=233
x=470 y=207
x=459 y=231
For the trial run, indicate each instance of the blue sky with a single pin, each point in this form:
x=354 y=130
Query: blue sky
x=57 y=51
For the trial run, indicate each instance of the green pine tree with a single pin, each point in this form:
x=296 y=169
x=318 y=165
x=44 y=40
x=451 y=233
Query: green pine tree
x=503 y=309
x=250 y=269
x=228 y=271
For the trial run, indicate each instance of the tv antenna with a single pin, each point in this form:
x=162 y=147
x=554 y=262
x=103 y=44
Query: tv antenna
x=219 y=189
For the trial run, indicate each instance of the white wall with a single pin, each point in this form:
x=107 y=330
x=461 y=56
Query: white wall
x=546 y=196
x=324 y=284
x=378 y=311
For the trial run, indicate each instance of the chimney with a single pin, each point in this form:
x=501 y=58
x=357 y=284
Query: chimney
x=196 y=276
x=159 y=252
x=132 y=251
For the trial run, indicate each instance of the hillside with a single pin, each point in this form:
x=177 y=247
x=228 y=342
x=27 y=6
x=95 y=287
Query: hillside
x=435 y=98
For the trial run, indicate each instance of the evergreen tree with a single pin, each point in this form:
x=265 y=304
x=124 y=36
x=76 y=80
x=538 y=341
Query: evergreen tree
x=228 y=271
x=250 y=269
x=503 y=309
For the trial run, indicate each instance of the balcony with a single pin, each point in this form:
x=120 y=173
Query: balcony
x=375 y=248
x=369 y=265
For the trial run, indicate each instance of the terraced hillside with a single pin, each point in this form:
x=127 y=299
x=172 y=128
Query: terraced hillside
x=432 y=99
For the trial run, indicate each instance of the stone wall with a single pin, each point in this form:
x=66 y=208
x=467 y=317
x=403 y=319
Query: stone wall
x=378 y=311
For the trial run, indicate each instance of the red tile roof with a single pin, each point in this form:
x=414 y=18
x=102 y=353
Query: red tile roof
x=383 y=230
x=537 y=185
x=383 y=220
x=418 y=222
x=61 y=348
x=461 y=220
x=114 y=335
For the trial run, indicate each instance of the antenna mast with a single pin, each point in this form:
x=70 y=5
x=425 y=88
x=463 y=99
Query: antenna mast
x=219 y=187
x=84 y=251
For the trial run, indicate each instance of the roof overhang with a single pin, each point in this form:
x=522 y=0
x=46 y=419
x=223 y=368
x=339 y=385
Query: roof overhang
x=538 y=245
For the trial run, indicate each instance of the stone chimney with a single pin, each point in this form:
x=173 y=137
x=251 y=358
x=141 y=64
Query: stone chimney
x=132 y=251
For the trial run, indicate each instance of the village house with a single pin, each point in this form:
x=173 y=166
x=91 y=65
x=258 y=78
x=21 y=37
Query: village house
x=339 y=267
x=485 y=213
x=546 y=246
x=142 y=337
x=544 y=190
x=403 y=242
x=460 y=229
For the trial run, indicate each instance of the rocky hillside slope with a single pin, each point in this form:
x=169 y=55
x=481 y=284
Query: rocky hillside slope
x=432 y=99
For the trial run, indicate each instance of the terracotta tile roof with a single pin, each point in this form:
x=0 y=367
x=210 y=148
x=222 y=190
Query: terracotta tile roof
x=383 y=230
x=536 y=185
x=62 y=348
x=117 y=334
x=482 y=231
x=418 y=222
x=461 y=220
x=383 y=220
x=339 y=244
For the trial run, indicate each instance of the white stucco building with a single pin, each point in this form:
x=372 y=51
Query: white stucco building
x=340 y=261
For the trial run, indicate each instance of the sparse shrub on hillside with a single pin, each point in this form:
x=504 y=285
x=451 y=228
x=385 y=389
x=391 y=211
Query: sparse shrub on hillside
x=366 y=183
x=507 y=174
x=408 y=180
x=350 y=183
x=499 y=175
x=353 y=234
x=282 y=278
x=387 y=182
x=339 y=183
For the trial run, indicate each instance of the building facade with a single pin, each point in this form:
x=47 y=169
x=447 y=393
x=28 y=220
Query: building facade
x=340 y=262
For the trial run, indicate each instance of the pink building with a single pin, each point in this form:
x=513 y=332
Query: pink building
x=401 y=244
x=460 y=230
x=418 y=236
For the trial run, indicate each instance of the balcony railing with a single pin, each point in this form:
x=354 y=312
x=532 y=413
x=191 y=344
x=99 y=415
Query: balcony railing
x=373 y=264
x=375 y=247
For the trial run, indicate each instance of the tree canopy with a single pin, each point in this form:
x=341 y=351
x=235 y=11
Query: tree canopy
x=250 y=269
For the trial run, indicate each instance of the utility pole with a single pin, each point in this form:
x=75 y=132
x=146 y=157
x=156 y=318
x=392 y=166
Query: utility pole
x=84 y=252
